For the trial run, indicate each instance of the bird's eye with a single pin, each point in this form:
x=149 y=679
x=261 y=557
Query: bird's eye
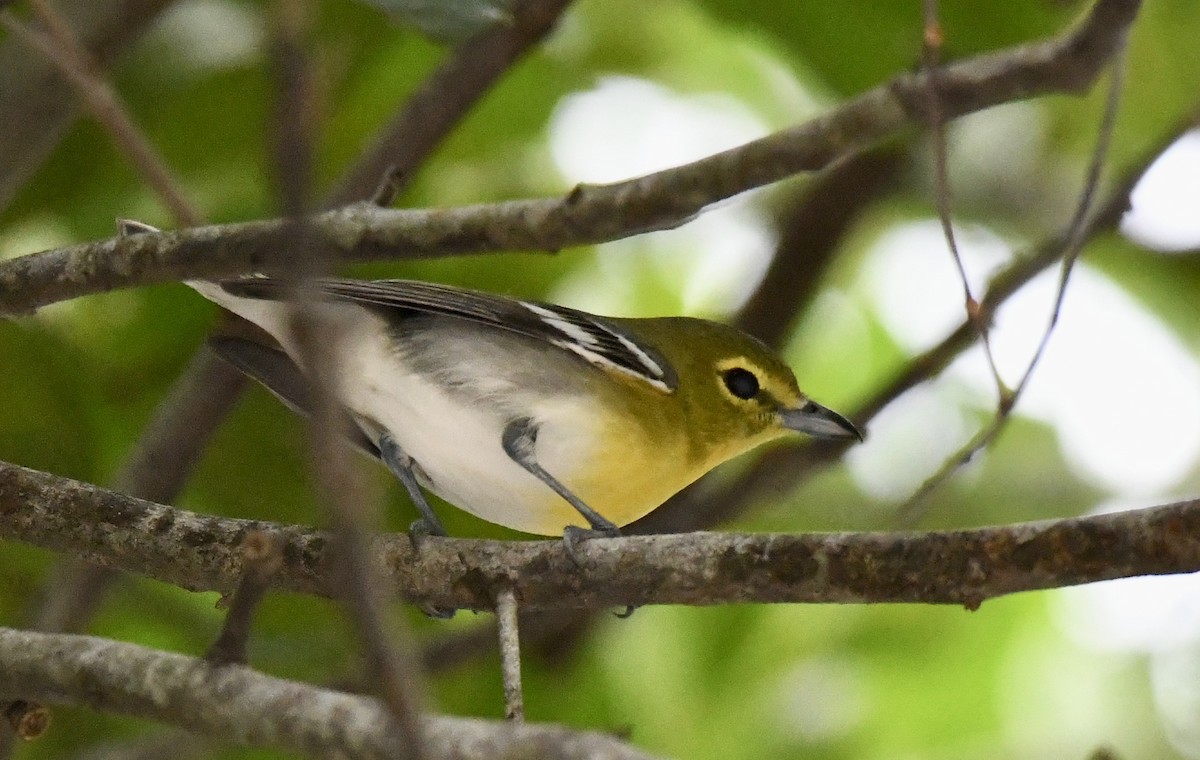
x=741 y=382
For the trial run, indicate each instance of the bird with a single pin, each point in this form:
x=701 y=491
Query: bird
x=530 y=415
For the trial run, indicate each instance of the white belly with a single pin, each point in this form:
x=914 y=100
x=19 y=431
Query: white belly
x=457 y=446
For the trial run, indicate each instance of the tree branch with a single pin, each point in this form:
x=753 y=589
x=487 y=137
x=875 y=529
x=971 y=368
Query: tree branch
x=811 y=227
x=249 y=708
x=965 y=567
x=37 y=103
x=85 y=74
x=589 y=213
x=444 y=98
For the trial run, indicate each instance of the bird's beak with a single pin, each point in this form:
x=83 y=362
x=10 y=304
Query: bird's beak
x=819 y=422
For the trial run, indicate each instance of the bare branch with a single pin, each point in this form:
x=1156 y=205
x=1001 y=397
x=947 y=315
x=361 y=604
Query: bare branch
x=510 y=653
x=251 y=709
x=262 y=554
x=443 y=100
x=28 y=719
x=294 y=119
x=966 y=567
x=933 y=40
x=1078 y=232
x=60 y=45
x=37 y=104
x=590 y=213
x=811 y=227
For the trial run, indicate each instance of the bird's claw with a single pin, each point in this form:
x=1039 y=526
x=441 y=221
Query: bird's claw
x=575 y=536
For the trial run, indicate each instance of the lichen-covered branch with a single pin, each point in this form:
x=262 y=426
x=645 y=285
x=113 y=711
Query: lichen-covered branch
x=589 y=213
x=943 y=567
x=248 y=708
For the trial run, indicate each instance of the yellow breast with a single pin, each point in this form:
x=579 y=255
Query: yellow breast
x=627 y=474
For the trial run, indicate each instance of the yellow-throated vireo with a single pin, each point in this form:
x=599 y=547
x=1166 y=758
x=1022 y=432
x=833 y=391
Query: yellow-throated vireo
x=530 y=415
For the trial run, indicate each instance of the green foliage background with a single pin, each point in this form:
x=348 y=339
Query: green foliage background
x=823 y=682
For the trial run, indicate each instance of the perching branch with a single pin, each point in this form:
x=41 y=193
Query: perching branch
x=200 y=552
x=589 y=213
x=251 y=709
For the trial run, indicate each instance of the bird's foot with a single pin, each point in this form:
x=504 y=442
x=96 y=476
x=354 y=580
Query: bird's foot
x=574 y=538
x=422 y=528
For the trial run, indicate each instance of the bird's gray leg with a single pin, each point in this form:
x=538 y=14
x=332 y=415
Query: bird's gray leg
x=518 y=440
x=401 y=465
x=428 y=524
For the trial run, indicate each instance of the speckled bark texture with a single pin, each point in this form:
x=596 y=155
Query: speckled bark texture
x=943 y=567
x=245 y=707
x=591 y=213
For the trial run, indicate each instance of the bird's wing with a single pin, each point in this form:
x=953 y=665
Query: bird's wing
x=595 y=339
x=280 y=375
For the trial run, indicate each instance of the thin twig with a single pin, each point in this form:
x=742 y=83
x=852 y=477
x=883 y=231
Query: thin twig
x=392 y=671
x=1077 y=234
x=294 y=118
x=510 y=653
x=932 y=41
x=1077 y=230
x=60 y=45
x=37 y=103
x=442 y=101
x=262 y=555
